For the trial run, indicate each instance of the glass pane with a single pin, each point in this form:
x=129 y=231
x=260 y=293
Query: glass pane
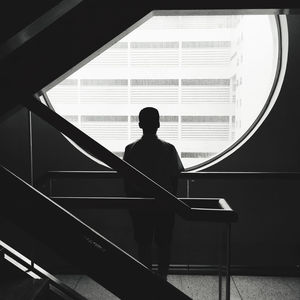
x=209 y=76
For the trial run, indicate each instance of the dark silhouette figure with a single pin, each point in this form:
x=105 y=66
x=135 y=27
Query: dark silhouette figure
x=158 y=160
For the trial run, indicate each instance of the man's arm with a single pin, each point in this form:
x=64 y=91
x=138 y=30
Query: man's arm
x=127 y=188
x=177 y=169
x=131 y=189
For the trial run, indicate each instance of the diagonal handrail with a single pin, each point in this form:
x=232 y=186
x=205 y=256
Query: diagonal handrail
x=103 y=154
x=77 y=243
x=208 y=209
x=37 y=270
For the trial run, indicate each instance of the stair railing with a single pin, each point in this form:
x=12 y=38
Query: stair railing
x=35 y=271
x=127 y=171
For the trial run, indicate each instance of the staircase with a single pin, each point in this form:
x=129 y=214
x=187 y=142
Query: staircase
x=25 y=71
x=17 y=285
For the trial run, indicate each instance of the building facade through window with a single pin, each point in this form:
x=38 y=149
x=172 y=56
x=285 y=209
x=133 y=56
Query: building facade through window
x=209 y=76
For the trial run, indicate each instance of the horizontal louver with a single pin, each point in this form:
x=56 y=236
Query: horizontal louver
x=205 y=128
x=206 y=45
x=102 y=131
x=206 y=22
x=115 y=56
x=96 y=91
x=66 y=92
x=168 y=131
x=148 y=54
x=169 y=128
x=185 y=66
x=205 y=53
x=197 y=154
x=135 y=132
x=205 y=119
x=212 y=131
x=171 y=119
x=195 y=91
x=69 y=82
x=104 y=118
x=200 y=94
x=105 y=127
x=191 y=22
x=164 y=91
x=202 y=57
x=154 y=95
x=71 y=118
x=101 y=95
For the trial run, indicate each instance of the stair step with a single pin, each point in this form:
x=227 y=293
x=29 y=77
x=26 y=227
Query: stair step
x=24 y=289
x=17 y=285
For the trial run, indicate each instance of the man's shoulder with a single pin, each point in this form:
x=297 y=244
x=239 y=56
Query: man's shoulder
x=167 y=145
x=176 y=164
x=131 y=145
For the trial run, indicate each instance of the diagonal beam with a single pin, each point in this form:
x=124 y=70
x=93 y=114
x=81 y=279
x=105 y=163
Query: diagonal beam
x=36 y=27
x=77 y=243
x=166 y=199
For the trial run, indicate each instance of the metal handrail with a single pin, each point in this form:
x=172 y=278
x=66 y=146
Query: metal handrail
x=123 y=168
x=166 y=199
x=182 y=175
x=77 y=242
x=103 y=154
x=32 y=267
x=211 y=209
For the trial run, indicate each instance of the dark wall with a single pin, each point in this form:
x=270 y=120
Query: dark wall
x=267 y=233
x=14 y=146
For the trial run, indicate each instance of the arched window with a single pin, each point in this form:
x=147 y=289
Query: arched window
x=212 y=77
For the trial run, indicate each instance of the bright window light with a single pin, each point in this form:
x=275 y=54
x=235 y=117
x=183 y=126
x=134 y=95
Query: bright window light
x=210 y=77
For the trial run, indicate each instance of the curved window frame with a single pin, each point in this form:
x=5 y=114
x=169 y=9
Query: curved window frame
x=282 y=31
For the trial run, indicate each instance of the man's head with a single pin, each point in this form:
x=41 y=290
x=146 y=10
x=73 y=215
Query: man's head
x=149 y=120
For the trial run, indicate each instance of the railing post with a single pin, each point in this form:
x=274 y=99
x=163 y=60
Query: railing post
x=221 y=261
x=228 y=259
x=220 y=281
x=31 y=176
x=187 y=188
x=30 y=146
x=50 y=186
x=225 y=262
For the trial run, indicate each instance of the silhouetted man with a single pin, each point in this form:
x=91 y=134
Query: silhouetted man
x=158 y=160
